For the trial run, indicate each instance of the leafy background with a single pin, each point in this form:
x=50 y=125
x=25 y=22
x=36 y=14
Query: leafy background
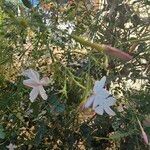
x=30 y=39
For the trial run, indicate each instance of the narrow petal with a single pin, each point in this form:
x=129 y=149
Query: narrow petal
x=109 y=111
x=33 y=94
x=45 y=81
x=103 y=93
x=89 y=102
x=110 y=101
x=99 y=85
x=31 y=74
x=98 y=101
x=99 y=110
x=30 y=83
x=42 y=92
x=98 y=105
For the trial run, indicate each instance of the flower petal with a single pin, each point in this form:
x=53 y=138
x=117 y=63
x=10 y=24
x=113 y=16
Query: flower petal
x=31 y=74
x=45 y=81
x=33 y=94
x=99 y=110
x=110 y=101
x=98 y=101
x=103 y=93
x=89 y=102
x=99 y=85
x=109 y=111
x=30 y=83
x=43 y=92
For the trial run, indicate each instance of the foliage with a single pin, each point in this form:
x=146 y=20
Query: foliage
x=32 y=38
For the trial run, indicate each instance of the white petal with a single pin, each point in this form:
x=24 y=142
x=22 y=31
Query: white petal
x=89 y=102
x=110 y=101
x=30 y=83
x=99 y=85
x=103 y=93
x=109 y=111
x=43 y=92
x=45 y=81
x=34 y=93
x=97 y=101
x=99 y=110
x=31 y=74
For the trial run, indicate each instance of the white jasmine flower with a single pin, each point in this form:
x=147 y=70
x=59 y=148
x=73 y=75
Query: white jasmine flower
x=37 y=84
x=11 y=146
x=101 y=99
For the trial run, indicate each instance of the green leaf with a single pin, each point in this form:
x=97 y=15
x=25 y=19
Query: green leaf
x=41 y=132
x=118 y=135
x=2 y=133
x=1 y=128
x=27 y=3
x=56 y=106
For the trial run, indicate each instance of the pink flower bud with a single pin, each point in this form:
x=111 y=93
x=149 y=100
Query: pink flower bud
x=117 y=53
x=144 y=135
x=145 y=138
